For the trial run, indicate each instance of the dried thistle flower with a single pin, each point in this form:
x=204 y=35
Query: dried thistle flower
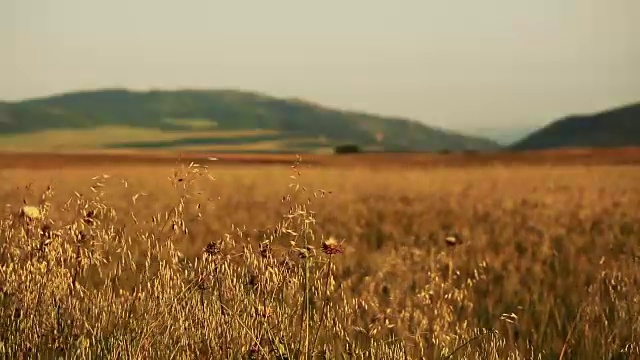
x=212 y=248
x=332 y=247
x=254 y=352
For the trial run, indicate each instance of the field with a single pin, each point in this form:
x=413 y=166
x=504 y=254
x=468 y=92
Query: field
x=499 y=256
x=195 y=138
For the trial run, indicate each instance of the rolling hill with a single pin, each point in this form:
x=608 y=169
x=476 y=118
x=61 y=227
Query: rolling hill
x=619 y=127
x=220 y=120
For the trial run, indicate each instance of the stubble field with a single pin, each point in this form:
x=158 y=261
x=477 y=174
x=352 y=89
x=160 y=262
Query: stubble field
x=268 y=261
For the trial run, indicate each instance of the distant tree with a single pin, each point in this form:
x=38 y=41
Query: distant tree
x=347 y=149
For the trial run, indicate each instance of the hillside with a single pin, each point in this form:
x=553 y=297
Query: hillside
x=221 y=120
x=618 y=127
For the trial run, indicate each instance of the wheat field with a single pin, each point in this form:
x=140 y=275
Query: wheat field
x=302 y=262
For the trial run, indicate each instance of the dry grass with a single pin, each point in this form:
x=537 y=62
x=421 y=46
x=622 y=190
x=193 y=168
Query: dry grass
x=567 y=157
x=477 y=263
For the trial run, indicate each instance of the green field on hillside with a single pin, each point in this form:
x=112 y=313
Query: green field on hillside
x=125 y=137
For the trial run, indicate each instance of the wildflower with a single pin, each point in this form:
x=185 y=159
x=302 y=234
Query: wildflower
x=332 y=247
x=30 y=212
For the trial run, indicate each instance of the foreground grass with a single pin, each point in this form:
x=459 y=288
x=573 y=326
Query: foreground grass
x=483 y=263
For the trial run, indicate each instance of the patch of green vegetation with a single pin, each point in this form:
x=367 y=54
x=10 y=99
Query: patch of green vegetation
x=192 y=124
x=197 y=141
x=113 y=137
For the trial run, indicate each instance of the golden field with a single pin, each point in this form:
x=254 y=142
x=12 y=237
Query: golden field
x=478 y=261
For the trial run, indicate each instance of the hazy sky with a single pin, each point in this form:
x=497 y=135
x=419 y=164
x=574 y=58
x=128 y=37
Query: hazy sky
x=457 y=64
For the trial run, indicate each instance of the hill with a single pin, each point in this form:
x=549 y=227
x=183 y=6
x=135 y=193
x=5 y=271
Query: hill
x=619 y=127
x=221 y=120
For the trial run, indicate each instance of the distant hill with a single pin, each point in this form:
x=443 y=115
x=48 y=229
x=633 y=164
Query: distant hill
x=222 y=120
x=618 y=127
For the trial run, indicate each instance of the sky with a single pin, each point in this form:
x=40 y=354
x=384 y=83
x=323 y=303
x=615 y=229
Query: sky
x=455 y=64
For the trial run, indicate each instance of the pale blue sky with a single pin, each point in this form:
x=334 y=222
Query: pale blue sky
x=458 y=64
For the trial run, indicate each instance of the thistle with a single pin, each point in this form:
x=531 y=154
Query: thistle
x=332 y=247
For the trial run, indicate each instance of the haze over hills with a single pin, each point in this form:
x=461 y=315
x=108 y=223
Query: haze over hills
x=504 y=135
x=618 y=127
x=221 y=120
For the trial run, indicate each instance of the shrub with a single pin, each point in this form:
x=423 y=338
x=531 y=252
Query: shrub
x=347 y=149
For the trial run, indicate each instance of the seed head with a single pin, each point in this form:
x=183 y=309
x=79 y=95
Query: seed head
x=81 y=237
x=453 y=241
x=332 y=247
x=510 y=318
x=306 y=252
x=265 y=250
x=89 y=217
x=203 y=283
x=287 y=265
x=253 y=280
x=46 y=231
x=263 y=311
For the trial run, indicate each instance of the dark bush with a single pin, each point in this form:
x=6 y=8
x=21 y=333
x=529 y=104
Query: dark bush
x=347 y=149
